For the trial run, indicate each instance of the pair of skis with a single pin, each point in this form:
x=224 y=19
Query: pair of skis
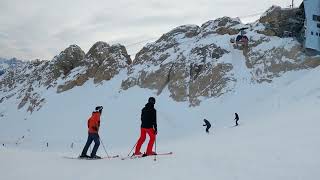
x=109 y=157
x=117 y=156
x=142 y=156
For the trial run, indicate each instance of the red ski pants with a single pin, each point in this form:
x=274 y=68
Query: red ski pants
x=142 y=138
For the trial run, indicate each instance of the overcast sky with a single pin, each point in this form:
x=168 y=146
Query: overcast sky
x=31 y=29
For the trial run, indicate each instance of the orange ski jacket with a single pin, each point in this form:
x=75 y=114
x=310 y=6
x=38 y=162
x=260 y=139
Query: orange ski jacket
x=94 y=123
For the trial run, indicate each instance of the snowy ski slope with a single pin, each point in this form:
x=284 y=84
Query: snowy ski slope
x=278 y=136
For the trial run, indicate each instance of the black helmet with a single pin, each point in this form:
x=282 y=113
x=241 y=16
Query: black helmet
x=152 y=100
x=99 y=108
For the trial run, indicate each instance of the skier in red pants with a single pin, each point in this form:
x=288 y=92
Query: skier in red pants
x=148 y=126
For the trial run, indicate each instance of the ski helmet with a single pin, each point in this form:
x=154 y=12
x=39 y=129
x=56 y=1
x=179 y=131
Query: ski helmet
x=152 y=100
x=99 y=108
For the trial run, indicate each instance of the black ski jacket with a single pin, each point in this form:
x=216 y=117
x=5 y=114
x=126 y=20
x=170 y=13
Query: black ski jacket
x=149 y=117
x=237 y=116
x=207 y=123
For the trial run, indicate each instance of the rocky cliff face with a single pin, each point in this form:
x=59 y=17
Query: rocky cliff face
x=270 y=57
x=275 y=44
x=20 y=83
x=186 y=61
x=283 y=22
x=195 y=62
x=72 y=67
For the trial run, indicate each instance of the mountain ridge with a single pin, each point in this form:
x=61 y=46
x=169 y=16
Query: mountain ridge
x=192 y=62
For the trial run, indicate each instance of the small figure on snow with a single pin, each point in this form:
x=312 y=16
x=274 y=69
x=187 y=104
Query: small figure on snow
x=93 y=128
x=236 y=118
x=207 y=124
x=148 y=126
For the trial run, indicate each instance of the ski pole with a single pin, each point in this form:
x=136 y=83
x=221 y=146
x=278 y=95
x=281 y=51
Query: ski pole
x=104 y=148
x=155 y=149
x=132 y=148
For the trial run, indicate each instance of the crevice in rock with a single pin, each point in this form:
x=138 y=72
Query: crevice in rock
x=167 y=80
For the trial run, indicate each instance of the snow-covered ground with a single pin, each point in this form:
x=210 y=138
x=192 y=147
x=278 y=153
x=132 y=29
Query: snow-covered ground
x=278 y=136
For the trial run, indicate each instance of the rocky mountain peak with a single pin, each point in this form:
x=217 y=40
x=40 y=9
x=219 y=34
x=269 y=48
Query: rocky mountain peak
x=184 y=31
x=72 y=67
x=102 y=63
x=69 y=59
x=220 y=22
x=99 y=51
x=72 y=52
x=221 y=26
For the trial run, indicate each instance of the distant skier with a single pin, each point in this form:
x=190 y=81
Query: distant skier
x=207 y=123
x=236 y=118
x=93 y=128
x=148 y=126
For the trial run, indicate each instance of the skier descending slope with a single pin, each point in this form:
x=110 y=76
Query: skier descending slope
x=148 y=126
x=236 y=118
x=93 y=128
x=207 y=124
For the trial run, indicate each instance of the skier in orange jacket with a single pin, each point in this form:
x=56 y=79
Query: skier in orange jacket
x=93 y=129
